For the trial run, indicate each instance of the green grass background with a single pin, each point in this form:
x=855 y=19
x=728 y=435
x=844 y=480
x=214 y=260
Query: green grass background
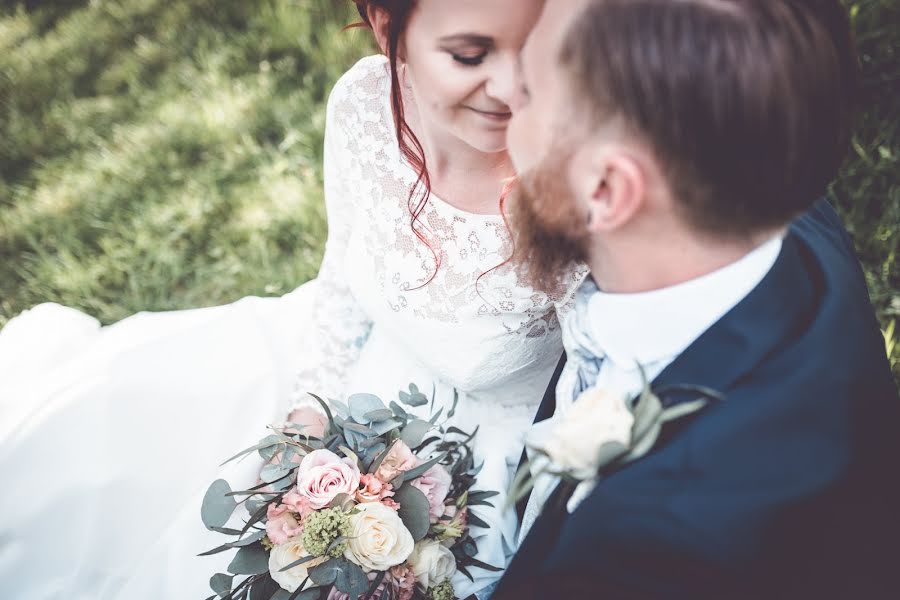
x=160 y=154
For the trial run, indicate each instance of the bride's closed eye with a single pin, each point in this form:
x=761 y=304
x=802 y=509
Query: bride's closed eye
x=469 y=60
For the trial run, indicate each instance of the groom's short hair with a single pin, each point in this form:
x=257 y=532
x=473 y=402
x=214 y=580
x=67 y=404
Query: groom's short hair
x=746 y=104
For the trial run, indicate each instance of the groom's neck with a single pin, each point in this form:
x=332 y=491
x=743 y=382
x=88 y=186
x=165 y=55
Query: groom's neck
x=635 y=262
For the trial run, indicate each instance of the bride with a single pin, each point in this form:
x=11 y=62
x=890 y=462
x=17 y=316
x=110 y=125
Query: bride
x=109 y=436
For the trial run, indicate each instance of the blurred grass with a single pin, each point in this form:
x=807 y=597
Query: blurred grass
x=158 y=155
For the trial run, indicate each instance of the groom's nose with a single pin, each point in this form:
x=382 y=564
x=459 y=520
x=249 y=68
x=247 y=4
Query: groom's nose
x=501 y=82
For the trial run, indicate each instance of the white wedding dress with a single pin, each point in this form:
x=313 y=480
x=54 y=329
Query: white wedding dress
x=109 y=436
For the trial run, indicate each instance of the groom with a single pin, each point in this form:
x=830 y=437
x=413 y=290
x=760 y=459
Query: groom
x=677 y=148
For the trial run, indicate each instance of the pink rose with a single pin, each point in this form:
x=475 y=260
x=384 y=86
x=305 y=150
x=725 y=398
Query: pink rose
x=373 y=489
x=281 y=524
x=404 y=581
x=435 y=484
x=391 y=504
x=297 y=503
x=313 y=421
x=399 y=458
x=322 y=475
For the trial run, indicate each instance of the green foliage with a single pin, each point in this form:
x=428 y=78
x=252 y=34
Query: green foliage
x=157 y=155
x=867 y=192
x=160 y=155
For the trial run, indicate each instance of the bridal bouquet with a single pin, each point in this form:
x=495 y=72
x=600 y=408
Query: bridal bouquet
x=378 y=505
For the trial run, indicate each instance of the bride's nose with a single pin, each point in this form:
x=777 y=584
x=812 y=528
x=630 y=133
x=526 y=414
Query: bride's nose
x=501 y=81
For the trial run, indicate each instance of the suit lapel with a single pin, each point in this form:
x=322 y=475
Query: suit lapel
x=769 y=316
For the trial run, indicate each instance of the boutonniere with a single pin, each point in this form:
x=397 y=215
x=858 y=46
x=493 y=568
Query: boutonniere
x=603 y=431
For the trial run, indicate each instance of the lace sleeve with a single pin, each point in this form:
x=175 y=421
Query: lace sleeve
x=339 y=327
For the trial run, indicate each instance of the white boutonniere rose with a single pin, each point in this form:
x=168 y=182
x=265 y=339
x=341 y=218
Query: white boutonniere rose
x=601 y=431
x=593 y=432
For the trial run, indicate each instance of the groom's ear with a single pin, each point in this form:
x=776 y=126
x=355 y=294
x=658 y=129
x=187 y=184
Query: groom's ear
x=617 y=189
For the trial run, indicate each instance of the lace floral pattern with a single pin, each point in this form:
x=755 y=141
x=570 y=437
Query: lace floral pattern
x=475 y=322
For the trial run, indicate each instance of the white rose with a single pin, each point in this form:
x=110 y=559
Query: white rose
x=378 y=538
x=284 y=554
x=597 y=418
x=432 y=563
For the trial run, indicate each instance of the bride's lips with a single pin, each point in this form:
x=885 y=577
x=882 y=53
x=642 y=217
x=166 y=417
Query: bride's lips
x=494 y=116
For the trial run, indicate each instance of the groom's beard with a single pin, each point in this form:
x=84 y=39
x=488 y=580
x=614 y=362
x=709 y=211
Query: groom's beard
x=549 y=233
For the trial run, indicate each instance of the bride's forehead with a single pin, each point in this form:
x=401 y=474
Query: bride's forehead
x=494 y=18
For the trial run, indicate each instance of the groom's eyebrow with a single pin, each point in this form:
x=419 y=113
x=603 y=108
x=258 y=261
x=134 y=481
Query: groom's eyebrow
x=468 y=38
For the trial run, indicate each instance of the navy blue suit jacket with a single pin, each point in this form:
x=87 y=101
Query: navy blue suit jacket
x=786 y=489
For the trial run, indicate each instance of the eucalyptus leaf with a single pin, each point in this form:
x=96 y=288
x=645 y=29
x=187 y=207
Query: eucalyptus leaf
x=371 y=454
x=414 y=432
x=434 y=418
x=328 y=412
x=382 y=427
x=349 y=453
x=257 y=516
x=642 y=446
x=360 y=429
x=226 y=530
x=272 y=473
x=476 y=521
x=308 y=594
x=249 y=540
x=223 y=548
x=267 y=441
x=609 y=452
x=349 y=577
x=452 y=412
x=398 y=410
x=263 y=588
x=646 y=412
x=268 y=452
x=414 y=397
x=378 y=460
x=325 y=573
x=484 y=495
x=483 y=565
x=417 y=471
x=220 y=583
x=376 y=416
x=217 y=506
x=414 y=510
x=363 y=404
x=342 y=501
x=299 y=562
x=341 y=409
x=250 y=560
x=682 y=409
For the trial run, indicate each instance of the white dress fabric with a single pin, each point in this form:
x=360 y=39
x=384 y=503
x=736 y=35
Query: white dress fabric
x=110 y=436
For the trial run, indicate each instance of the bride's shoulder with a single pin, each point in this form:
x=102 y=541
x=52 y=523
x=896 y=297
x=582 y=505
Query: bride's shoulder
x=367 y=83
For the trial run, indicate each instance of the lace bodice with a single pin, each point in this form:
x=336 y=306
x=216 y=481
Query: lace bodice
x=474 y=325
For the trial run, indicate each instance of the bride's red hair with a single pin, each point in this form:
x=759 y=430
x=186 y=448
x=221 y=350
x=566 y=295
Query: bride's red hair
x=398 y=13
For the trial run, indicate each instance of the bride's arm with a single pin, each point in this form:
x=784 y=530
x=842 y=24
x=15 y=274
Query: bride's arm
x=339 y=327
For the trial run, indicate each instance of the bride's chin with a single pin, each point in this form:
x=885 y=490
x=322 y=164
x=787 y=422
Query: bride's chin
x=488 y=140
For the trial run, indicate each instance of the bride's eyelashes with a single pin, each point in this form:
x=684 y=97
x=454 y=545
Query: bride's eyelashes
x=469 y=60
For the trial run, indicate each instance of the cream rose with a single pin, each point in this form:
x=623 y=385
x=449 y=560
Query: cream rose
x=378 y=538
x=432 y=563
x=284 y=554
x=322 y=475
x=598 y=417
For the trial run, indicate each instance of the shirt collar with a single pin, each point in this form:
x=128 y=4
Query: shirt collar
x=656 y=326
